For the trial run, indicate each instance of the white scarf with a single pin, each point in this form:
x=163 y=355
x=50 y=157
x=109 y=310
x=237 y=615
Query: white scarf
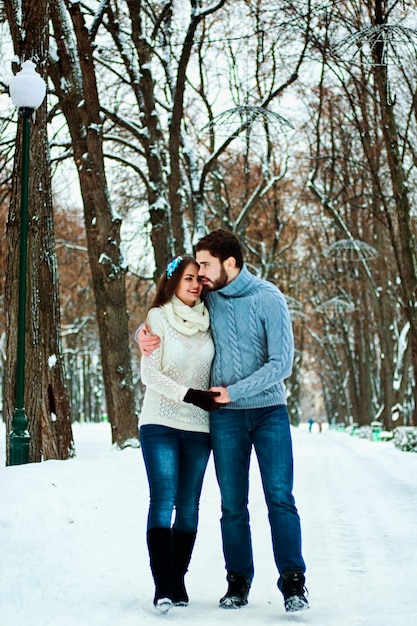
x=187 y=319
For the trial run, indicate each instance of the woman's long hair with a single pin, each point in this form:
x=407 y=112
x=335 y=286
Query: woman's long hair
x=168 y=284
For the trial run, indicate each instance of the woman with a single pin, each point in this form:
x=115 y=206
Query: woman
x=174 y=425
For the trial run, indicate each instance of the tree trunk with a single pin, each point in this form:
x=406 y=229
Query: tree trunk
x=75 y=84
x=46 y=397
x=407 y=266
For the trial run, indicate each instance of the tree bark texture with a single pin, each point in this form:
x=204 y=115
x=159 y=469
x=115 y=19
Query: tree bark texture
x=407 y=266
x=75 y=84
x=46 y=397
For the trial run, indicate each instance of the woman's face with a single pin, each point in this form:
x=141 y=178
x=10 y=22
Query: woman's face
x=190 y=287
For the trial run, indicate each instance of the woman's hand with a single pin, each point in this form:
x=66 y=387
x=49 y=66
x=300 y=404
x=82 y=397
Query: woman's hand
x=223 y=398
x=205 y=400
x=146 y=341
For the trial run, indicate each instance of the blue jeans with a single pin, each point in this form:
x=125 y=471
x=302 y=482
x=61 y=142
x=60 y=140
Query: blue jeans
x=175 y=462
x=233 y=433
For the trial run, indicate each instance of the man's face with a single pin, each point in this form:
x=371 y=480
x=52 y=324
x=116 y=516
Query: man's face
x=212 y=272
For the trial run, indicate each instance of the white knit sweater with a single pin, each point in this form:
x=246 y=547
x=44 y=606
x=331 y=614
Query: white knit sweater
x=182 y=361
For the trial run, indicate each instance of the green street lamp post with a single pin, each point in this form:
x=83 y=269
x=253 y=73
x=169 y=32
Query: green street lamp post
x=27 y=90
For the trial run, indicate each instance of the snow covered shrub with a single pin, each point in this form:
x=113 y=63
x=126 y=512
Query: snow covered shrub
x=364 y=432
x=351 y=429
x=405 y=438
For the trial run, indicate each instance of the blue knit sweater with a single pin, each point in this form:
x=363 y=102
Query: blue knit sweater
x=252 y=333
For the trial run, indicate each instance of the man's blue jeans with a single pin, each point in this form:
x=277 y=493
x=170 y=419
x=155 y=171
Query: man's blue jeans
x=233 y=433
x=175 y=462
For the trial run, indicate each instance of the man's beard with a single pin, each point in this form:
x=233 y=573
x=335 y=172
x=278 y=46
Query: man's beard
x=220 y=282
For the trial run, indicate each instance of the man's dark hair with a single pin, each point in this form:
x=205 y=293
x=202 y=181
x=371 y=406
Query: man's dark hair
x=221 y=244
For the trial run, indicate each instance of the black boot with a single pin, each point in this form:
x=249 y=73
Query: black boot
x=159 y=545
x=292 y=586
x=237 y=592
x=182 y=548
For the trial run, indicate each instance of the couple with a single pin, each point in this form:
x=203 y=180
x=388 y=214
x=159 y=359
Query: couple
x=245 y=368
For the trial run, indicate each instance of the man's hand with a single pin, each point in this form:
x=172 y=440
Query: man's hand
x=222 y=395
x=146 y=341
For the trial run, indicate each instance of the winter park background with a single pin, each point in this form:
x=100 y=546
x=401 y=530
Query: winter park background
x=298 y=130
x=72 y=539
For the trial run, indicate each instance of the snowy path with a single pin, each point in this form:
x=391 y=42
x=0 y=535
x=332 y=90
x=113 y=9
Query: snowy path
x=73 y=551
x=358 y=504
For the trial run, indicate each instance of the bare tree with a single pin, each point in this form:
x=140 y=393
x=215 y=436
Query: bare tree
x=73 y=74
x=406 y=241
x=358 y=141
x=172 y=77
x=46 y=397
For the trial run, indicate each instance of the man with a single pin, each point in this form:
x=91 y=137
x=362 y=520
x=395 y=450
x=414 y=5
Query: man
x=254 y=351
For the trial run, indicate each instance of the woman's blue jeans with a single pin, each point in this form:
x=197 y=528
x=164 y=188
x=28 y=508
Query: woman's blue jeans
x=175 y=462
x=233 y=433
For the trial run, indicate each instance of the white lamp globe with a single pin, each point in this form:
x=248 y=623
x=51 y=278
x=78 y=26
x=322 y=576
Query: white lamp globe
x=27 y=88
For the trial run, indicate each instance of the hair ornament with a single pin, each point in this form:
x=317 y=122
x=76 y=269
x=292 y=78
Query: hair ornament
x=172 y=266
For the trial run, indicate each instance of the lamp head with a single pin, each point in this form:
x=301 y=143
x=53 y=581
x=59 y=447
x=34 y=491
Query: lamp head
x=27 y=88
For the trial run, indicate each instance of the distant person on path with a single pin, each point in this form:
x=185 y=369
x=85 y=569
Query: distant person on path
x=253 y=338
x=174 y=425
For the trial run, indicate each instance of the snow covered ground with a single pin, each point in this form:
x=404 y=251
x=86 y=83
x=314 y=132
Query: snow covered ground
x=73 y=551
